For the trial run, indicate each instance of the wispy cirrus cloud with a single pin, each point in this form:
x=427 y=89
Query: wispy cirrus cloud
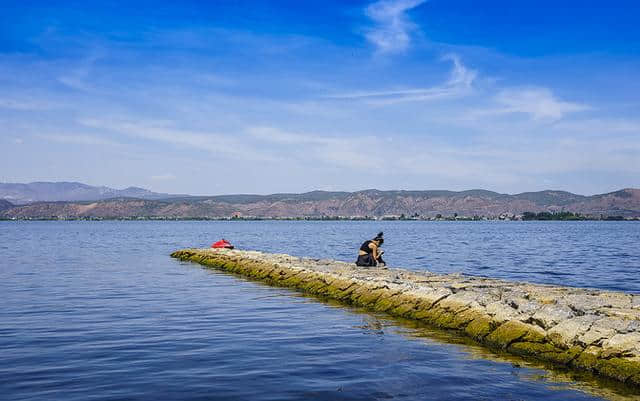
x=163 y=177
x=326 y=149
x=79 y=139
x=275 y=135
x=24 y=104
x=78 y=77
x=393 y=27
x=540 y=104
x=460 y=82
x=225 y=145
x=601 y=126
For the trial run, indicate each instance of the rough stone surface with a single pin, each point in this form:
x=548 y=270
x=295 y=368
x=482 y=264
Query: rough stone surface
x=622 y=344
x=565 y=333
x=550 y=315
x=583 y=329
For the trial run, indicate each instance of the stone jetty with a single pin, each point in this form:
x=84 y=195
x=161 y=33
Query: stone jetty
x=583 y=329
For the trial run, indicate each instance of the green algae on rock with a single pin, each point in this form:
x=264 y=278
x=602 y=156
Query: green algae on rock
x=583 y=329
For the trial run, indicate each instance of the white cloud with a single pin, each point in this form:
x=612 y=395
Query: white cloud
x=407 y=158
x=78 y=77
x=460 y=82
x=163 y=177
x=488 y=162
x=18 y=141
x=275 y=135
x=601 y=126
x=330 y=150
x=80 y=139
x=393 y=27
x=161 y=131
x=24 y=104
x=539 y=103
x=461 y=76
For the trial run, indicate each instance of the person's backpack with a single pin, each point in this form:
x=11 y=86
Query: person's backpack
x=223 y=243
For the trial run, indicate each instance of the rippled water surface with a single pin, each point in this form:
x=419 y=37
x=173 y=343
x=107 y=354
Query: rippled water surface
x=97 y=310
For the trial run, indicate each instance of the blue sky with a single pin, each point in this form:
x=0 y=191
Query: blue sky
x=263 y=97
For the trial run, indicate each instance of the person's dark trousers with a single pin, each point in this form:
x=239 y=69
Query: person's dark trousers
x=365 y=260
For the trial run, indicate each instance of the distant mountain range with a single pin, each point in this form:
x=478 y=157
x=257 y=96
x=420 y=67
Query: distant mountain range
x=74 y=200
x=20 y=194
x=4 y=205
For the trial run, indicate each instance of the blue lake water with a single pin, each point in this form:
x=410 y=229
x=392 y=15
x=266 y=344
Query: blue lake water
x=98 y=311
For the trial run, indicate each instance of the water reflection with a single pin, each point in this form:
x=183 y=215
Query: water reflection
x=556 y=377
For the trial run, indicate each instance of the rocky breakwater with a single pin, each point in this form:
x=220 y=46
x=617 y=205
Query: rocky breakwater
x=583 y=329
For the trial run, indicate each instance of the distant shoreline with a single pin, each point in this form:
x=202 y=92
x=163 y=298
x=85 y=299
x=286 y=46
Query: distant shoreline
x=231 y=219
x=362 y=205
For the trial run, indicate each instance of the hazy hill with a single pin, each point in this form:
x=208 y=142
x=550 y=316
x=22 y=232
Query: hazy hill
x=4 y=205
x=20 y=194
x=625 y=202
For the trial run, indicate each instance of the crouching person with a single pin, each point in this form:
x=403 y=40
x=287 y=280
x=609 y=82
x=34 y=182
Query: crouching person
x=370 y=253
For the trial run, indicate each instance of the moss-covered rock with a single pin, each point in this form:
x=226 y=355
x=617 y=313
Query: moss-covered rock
x=525 y=348
x=462 y=319
x=294 y=280
x=480 y=327
x=618 y=368
x=405 y=305
x=365 y=297
x=442 y=317
x=511 y=332
x=386 y=302
x=588 y=359
x=341 y=290
x=634 y=380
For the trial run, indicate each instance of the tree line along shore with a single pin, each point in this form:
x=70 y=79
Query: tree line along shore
x=526 y=216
